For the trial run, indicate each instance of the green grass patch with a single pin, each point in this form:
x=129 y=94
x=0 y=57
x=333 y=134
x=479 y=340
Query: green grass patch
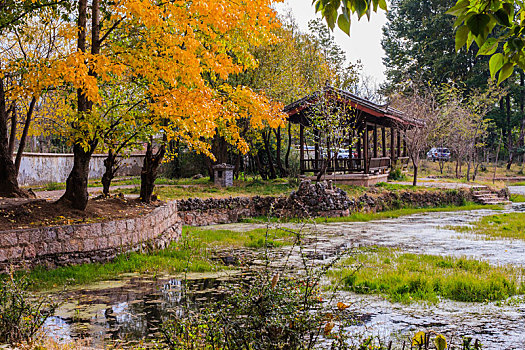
x=168 y=189
x=364 y=217
x=191 y=254
x=53 y=186
x=517 y=198
x=392 y=214
x=178 y=257
x=404 y=277
x=257 y=238
x=508 y=225
x=396 y=187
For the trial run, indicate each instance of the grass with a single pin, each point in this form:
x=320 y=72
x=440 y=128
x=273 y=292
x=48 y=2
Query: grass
x=388 y=214
x=392 y=214
x=209 y=190
x=405 y=277
x=507 y=225
x=193 y=253
x=256 y=238
x=517 y=198
x=429 y=168
x=176 y=258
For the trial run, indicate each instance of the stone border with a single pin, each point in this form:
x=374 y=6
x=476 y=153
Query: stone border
x=96 y=242
x=103 y=241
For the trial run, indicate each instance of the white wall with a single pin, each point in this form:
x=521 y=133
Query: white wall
x=43 y=168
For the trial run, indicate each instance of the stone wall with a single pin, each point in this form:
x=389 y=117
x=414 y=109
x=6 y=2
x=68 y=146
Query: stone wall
x=96 y=242
x=44 y=168
x=312 y=200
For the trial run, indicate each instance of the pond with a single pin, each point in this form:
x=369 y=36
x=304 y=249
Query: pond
x=132 y=308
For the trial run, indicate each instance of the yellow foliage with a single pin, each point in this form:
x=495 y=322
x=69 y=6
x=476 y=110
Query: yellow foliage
x=179 y=52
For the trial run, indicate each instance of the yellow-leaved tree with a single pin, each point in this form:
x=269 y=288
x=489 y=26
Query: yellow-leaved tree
x=181 y=54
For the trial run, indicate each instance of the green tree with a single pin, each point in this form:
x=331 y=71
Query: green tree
x=418 y=40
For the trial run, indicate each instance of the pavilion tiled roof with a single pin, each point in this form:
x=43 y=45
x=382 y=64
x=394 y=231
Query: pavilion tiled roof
x=384 y=111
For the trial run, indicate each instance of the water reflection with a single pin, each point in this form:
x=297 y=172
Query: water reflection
x=131 y=311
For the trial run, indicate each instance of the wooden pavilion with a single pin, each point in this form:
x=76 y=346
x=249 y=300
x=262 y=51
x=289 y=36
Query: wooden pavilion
x=374 y=146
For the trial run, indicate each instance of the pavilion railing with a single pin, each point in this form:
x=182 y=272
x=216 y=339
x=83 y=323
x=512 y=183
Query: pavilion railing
x=334 y=165
x=354 y=165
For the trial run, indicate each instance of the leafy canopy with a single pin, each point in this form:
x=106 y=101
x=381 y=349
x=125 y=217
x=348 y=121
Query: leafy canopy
x=340 y=11
x=497 y=27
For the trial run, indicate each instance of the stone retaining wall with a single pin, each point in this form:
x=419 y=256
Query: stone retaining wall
x=96 y=242
x=312 y=200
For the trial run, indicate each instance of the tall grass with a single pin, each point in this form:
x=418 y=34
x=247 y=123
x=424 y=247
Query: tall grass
x=405 y=277
x=507 y=225
x=193 y=253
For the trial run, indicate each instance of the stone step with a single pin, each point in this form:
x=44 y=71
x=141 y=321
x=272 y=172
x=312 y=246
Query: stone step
x=497 y=202
x=480 y=192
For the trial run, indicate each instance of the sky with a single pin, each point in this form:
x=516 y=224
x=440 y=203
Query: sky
x=364 y=42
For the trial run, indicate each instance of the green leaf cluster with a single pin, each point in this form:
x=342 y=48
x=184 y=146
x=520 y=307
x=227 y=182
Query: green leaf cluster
x=497 y=27
x=340 y=11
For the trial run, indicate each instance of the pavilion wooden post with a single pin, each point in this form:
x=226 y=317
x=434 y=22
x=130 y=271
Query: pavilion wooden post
x=359 y=152
x=350 y=141
x=398 y=144
x=302 y=146
x=365 y=150
x=383 y=141
x=393 y=144
x=316 y=139
x=404 y=147
x=375 y=140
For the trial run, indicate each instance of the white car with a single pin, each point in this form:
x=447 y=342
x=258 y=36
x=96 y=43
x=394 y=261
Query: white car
x=343 y=154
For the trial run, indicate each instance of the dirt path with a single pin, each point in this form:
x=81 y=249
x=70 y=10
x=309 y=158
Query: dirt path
x=93 y=191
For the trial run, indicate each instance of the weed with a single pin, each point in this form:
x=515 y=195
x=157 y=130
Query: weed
x=21 y=313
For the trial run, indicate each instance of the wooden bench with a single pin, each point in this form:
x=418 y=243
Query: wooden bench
x=379 y=165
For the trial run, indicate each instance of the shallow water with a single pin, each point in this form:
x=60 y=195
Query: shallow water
x=132 y=308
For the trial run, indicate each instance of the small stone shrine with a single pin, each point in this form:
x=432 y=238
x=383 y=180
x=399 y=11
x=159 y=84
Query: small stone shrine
x=223 y=175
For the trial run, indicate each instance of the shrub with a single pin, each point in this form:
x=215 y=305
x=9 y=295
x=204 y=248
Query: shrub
x=396 y=174
x=21 y=313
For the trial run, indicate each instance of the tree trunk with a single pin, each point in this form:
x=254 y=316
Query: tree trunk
x=509 y=133
x=23 y=138
x=266 y=138
x=77 y=181
x=8 y=181
x=109 y=173
x=262 y=170
x=288 y=148
x=148 y=174
x=237 y=168
x=282 y=171
x=12 y=135
x=522 y=112
x=76 y=184
x=414 y=182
